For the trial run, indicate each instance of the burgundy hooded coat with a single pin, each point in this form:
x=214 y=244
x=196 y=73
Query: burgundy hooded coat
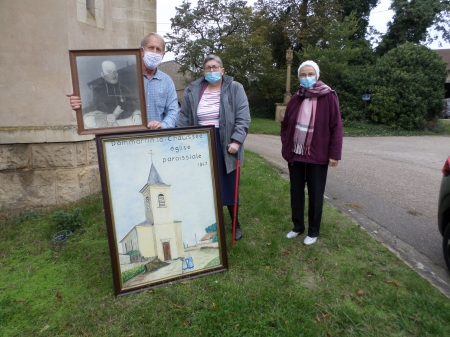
x=328 y=133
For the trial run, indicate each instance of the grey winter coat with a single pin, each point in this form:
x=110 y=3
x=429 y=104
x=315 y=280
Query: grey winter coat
x=234 y=115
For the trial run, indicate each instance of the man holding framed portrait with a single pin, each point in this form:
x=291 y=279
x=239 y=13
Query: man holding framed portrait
x=160 y=95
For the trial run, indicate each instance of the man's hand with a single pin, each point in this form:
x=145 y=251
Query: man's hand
x=332 y=162
x=233 y=148
x=153 y=125
x=75 y=101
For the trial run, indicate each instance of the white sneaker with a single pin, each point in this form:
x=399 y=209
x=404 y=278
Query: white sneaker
x=292 y=234
x=309 y=240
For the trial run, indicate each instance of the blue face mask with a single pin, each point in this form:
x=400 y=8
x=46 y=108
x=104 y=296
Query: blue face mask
x=307 y=82
x=213 y=77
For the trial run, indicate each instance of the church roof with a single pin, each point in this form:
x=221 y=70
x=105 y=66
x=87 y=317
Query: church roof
x=153 y=177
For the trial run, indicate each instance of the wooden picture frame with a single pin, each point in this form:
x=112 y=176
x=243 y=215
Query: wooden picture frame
x=110 y=85
x=163 y=207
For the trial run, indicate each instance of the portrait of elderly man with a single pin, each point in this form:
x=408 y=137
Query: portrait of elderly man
x=112 y=102
x=160 y=95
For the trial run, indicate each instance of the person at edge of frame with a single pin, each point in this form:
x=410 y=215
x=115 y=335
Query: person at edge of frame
x=311 y=137
x=160 y=95
x=216 y=99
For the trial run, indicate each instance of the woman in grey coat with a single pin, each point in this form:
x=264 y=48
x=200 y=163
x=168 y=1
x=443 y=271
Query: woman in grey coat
x=215 y=99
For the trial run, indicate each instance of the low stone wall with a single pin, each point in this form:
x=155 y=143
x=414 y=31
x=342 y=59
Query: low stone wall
x=42 y=174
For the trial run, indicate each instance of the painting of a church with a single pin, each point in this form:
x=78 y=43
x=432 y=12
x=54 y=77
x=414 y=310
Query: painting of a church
x=159 y=235
x=166 y=223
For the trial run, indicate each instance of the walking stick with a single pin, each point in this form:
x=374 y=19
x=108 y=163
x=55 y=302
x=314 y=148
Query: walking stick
x=236 y=196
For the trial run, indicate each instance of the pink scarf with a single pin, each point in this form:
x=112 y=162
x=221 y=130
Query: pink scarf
x=304 y=126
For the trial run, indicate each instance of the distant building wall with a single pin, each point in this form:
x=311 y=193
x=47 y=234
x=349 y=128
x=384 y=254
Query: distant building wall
x=38 y=136
x=172 y=68
x=445 y=54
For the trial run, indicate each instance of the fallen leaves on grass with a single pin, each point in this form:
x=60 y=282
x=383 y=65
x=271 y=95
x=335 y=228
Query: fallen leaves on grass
x=322 y=318
x=44 y=328
x=360 y=292
x=58 y=297
x=178 y=306
x=369 y=275
x=186 y=324
x=393 y=282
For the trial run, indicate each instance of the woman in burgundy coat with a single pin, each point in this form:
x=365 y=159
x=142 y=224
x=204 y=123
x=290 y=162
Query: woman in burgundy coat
x=311 y=137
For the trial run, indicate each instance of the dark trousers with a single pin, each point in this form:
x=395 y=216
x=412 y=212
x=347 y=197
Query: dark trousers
x=315 y=177
x=231 y=211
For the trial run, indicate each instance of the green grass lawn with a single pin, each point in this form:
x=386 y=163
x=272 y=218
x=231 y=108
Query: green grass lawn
x=346 y=284
x=269 y=126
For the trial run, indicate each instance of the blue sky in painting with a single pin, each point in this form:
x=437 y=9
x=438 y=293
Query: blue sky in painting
x=191 y=185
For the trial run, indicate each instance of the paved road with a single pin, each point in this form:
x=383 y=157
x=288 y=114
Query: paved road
x=390 y=186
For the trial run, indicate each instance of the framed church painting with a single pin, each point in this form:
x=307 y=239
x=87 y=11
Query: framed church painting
x=163 y=207
x=111 y=88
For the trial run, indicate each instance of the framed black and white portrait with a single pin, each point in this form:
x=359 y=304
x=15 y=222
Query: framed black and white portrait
x=110 y=86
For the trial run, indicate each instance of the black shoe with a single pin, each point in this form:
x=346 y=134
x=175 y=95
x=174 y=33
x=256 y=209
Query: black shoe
x=238 y=234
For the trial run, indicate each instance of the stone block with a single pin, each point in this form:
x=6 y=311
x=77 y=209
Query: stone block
x=279 y=112
x=147 y=4
x=81 y=157
x=147 y=16
x=119 y=3
x=133 y=3
x=119 y=27
x=100 y=18
x=119 y=13
x=92 y=153
x=15 y=156
x=149 y=27
x=89 y=181
x=120 y=42
x=81 y=12
x=27 y=188
x=53 y=155
x=67 y=187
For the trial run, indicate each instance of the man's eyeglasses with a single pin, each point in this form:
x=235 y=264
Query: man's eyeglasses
x=213 y=68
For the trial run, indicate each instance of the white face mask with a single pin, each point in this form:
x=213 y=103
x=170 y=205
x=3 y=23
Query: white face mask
x=152 y=60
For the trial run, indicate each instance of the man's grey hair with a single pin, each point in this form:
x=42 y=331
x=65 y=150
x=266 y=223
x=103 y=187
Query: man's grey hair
x=145 y=40
x=213 y=57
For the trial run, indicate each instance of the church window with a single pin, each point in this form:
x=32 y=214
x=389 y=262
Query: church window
x=90 y=7
x=161 y=200
x=91 y=12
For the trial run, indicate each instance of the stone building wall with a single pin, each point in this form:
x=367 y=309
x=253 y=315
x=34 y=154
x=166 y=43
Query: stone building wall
x=43 y=160
x=35 y=174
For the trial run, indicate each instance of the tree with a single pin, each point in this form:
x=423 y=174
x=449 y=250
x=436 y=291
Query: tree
x=411 y=21
x=200 y=31
x=408 y=87
x=361 y=9
x=344 y=64
x=228 y=29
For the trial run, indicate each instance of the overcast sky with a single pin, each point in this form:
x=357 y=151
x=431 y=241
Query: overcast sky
x=379 y=18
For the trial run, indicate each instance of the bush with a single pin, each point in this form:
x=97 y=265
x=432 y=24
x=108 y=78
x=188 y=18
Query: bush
x=67 y=221
x=133 y=252
x=408 y=87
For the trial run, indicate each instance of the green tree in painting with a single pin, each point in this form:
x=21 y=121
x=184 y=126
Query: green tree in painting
x=211 y=228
